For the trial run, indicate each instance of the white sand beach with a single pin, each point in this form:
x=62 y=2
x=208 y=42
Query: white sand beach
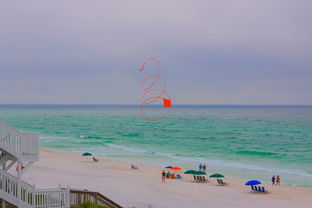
x=138 y=188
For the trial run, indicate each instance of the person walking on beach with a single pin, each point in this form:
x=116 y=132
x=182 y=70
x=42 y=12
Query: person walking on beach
x=278 y=180
x=204 y=167
x=200 y=167
x=273 y=180
x=163 y=176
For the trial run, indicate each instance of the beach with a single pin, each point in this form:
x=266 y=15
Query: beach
x=139 y=188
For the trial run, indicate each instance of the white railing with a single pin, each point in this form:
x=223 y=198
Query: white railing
x=20 y=144
x=29 y=196
x=9 y=138
x=29 y=146
x=9 y=189
x=46 y=198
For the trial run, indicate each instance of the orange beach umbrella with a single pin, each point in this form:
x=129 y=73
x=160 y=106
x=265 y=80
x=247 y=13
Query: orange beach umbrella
x=176 y=168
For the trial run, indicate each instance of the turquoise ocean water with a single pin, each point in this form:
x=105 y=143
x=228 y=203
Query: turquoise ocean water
x=251 y=142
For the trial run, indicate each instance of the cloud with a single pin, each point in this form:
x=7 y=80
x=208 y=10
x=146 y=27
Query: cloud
x=60 y=51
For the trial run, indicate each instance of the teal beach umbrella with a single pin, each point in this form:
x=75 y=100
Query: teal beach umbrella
x=216 y=175
x=190 y=172
x=200 y=173
x=87 y=154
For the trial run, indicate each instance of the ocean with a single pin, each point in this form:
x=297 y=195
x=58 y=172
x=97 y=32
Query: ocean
x=250 y=142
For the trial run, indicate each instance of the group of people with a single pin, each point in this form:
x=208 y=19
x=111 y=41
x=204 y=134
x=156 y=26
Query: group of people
x=276 y=180
x=169 y=175
x=202 y=167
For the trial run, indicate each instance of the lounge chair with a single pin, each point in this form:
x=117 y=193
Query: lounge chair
x=252 y=188
x=262 y=190
x=221 y=182
x=257 y=188
x=178 y=176
x=202 y=179
x=94 y=159
x=194 y=177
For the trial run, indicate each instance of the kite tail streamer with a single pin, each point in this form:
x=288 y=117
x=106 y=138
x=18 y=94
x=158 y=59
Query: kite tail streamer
x=152 y=95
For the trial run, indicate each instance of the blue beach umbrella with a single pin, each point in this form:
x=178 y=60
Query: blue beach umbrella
x=252 y=183
x=168 y=167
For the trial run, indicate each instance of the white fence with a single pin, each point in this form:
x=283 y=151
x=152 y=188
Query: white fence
x=29 y=196
x=20 y=144
x=46 y=198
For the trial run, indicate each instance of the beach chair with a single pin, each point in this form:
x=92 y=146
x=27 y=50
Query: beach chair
x=221 y=182
x=194 y=177
x=262 y=190
x=257 y=188
x=252 y=188
x=202 y=178
x=178 y=176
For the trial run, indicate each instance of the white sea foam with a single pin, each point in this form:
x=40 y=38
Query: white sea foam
x=216 y=162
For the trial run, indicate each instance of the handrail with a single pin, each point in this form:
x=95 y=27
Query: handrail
x=58 y=197
x=2 y=123
x=21 y=145
x=29 y=196
x=77 y=197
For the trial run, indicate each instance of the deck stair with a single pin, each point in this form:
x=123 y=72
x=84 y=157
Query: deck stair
x=20 y=149
x=80 y=196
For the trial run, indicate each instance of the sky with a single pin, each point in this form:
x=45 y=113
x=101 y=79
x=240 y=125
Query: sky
x=243 y=52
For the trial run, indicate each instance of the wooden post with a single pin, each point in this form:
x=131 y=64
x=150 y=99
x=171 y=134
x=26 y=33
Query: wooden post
x=3 y=204
x=18 y=183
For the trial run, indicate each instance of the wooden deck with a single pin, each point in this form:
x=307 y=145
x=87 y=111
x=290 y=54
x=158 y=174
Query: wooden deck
x=77 y=197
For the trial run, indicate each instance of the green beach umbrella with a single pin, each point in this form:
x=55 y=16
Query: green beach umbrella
x=200 y=173
x=87 y=154
x=216 y=175
x=190 y=172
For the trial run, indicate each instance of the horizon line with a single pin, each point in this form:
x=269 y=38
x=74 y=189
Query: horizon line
x=76 y=104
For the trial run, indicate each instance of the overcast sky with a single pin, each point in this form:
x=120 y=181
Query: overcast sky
x=211 y=52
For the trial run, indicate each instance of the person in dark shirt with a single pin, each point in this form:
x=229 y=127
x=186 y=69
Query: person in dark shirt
x=204 y=167
x=163 y=176
x=273 y=180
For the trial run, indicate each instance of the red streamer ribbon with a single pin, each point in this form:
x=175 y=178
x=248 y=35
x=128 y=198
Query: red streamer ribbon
x=152 y=95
